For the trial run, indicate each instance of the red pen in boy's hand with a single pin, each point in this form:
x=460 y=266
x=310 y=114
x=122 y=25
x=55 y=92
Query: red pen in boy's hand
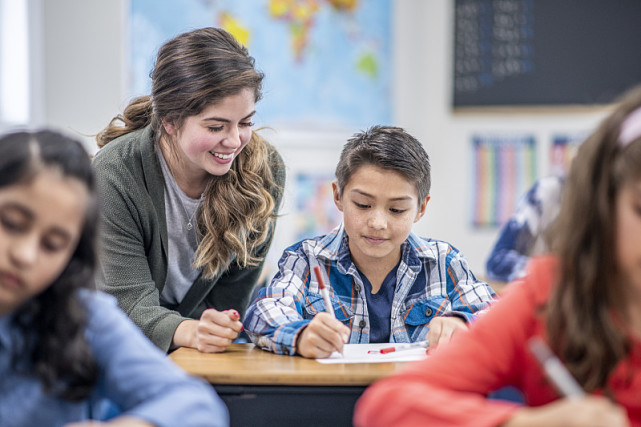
x=323 y=290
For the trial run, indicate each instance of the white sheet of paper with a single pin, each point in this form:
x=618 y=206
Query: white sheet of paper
x=358 y=353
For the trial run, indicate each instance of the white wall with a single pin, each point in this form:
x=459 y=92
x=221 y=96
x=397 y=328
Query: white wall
x=83 y=78
x=84 y=87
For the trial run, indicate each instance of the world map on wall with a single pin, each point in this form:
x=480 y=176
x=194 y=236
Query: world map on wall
x=326 y=62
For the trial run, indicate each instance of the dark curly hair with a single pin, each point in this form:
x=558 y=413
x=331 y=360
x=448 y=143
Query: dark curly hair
x=52 y=324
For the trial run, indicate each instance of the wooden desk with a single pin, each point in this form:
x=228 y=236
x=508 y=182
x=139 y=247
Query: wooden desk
x=265 y=389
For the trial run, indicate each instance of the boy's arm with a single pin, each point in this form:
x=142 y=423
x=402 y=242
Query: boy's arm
x=275 y=319
x=466 y=293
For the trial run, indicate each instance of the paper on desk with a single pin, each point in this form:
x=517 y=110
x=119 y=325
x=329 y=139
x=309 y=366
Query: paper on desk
x=358 y=353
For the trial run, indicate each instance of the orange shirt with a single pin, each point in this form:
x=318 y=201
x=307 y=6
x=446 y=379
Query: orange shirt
x=450 y=387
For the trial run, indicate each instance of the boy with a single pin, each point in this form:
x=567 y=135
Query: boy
x=387 y=284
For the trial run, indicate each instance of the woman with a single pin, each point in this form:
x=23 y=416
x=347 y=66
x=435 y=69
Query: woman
x=189 y=195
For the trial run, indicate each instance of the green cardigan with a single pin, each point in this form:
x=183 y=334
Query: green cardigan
x=133 y=250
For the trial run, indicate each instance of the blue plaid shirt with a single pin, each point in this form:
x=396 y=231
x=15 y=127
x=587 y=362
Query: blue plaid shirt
x=523 y=236
x=433 y=279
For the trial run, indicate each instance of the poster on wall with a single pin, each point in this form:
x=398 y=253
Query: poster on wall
x=327 y=63
x=504 y=167
x=316 y=213
x=563 y=147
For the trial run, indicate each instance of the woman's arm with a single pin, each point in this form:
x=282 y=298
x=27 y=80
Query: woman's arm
x=130 y=245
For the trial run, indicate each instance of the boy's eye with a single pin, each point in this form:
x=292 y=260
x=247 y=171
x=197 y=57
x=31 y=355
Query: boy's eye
x=361 y=206
x=397 y=211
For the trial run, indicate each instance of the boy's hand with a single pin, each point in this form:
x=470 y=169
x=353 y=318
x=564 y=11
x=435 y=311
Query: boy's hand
x=442 y=329
x=321 y=337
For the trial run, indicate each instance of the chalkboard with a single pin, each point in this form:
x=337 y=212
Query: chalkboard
x=545 y=52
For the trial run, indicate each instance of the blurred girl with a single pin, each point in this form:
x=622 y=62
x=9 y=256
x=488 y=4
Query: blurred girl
x=585 y=301
x=63 y=346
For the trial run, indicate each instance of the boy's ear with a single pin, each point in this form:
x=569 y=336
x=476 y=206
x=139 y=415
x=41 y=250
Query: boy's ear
x=421 y=208
x=337 y=196
x=169 y=126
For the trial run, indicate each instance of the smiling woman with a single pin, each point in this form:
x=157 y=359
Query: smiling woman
x=188 y=151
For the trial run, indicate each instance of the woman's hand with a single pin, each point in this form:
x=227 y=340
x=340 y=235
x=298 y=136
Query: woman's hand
x=589 y=411
x=212 y=333
x=442 y=329
x=321 y=337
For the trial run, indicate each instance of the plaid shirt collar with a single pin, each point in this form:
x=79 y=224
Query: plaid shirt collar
x=334 y=247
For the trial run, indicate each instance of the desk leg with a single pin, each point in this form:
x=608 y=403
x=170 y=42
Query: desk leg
x=289 y=405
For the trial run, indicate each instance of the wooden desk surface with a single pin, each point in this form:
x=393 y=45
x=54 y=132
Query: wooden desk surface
x=245 y=364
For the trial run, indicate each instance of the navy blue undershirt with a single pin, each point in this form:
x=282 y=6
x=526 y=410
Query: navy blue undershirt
x=379 y=306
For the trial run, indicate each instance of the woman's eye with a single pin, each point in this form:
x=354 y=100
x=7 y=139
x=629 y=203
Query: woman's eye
x=397 y=211
x=361 y=206
x=247 y=124
x=215 y=128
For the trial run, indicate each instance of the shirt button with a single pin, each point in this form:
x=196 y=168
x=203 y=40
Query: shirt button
x=429 y=312
x=357 y=287
x=362 y=324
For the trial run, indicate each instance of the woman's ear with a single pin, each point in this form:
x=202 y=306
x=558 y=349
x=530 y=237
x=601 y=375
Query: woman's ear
x=169 y=127
x=337 y=196
x=421 y=209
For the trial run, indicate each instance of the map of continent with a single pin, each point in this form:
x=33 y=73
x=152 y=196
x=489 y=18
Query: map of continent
x=326 y=62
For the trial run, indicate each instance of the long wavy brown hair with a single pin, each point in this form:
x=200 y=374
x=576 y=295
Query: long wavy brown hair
x=580 y=317
x=193 y=71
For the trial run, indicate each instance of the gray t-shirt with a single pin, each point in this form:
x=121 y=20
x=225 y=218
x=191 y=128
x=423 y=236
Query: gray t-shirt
x=181 y=210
